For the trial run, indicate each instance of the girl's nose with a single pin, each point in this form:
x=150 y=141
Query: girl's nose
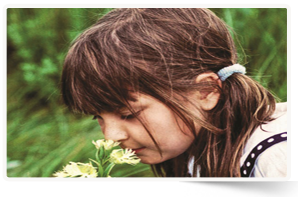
x=115 y=130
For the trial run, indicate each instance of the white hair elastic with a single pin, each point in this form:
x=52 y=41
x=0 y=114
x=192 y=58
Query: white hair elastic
x=225 y=72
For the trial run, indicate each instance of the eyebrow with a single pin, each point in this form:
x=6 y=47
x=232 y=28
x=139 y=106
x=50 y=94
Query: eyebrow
x=131 y=97
x=133 y=105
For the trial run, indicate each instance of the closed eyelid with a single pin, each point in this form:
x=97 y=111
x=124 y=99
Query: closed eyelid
x=130 y=115
x=124 y=113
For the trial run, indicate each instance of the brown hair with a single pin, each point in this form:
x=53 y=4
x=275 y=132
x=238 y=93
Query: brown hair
x=160 y=52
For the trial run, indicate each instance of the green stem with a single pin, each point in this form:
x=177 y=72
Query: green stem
x=101 y=152
x=108 y=169
x=100 y=171
x=96 y=156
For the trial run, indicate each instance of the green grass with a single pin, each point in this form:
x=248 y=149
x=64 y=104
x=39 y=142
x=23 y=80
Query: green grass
x=43 y=136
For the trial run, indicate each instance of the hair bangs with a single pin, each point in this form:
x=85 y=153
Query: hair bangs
x=94 y=81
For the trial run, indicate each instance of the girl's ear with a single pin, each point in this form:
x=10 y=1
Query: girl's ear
x=208 y=99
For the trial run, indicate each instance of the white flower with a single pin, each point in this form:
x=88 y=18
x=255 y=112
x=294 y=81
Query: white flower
x=60 y=174
x=107 y=144
x=85 y=170
x=120 y=156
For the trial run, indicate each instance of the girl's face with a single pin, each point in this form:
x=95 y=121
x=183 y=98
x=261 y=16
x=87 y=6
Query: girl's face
x=170 y=133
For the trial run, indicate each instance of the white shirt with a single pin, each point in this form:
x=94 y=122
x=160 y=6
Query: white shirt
x=273 y=161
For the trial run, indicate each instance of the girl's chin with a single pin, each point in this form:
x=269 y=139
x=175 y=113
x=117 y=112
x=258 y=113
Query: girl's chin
x=151 y=161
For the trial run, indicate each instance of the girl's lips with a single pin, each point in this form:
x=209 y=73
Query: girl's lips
x=138 y=150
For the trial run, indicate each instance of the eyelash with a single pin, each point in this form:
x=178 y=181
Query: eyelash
x=123 y=117
x=130 y=116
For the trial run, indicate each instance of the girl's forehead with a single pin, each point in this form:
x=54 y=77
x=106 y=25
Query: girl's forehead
x=135 y=102
x=137 y=98
x=140 y=99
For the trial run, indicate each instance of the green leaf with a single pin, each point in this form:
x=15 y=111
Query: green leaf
x=100 y=171
x=101 y=153
x=108 y=169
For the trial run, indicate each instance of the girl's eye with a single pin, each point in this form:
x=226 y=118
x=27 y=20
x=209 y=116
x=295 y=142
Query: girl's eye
x=126 y=117
x=130 y=116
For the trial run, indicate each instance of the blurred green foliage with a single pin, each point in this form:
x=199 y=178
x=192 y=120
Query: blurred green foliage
x=261 y=36
x=43 y=136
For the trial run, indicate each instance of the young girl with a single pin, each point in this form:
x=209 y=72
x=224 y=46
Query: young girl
x=166 y=83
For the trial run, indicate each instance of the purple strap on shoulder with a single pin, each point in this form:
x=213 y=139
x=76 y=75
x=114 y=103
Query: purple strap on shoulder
x=250 y=161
